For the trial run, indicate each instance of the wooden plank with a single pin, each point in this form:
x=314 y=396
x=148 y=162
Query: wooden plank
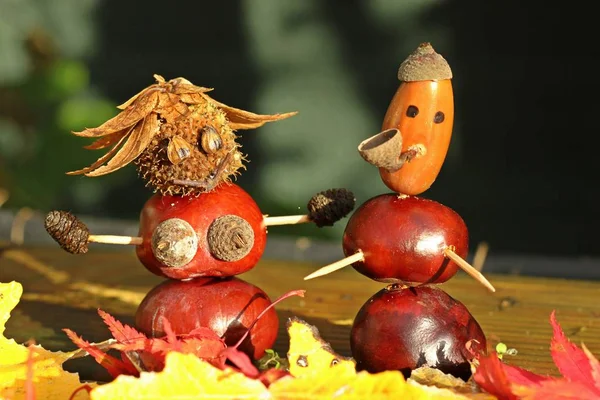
x=62 y=290
x=282 y=247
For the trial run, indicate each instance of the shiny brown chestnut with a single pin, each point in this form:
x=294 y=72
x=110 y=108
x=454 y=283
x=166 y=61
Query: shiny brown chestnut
x=404 y=328
x=402 y=238
x=399 y=238
x=227 y=306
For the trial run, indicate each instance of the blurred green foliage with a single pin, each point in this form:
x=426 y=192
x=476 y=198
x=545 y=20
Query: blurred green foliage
x=45 y=92
x=301 y=59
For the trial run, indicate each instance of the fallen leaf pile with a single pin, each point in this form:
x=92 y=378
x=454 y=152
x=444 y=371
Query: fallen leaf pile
x=194 y=366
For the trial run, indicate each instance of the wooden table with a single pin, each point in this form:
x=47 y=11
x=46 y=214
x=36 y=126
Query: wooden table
x=63 y=290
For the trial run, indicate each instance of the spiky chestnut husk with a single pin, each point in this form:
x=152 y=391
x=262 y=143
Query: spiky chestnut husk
x=227 y=306
x=404 y=328
x=159 y=173
x=181 y=139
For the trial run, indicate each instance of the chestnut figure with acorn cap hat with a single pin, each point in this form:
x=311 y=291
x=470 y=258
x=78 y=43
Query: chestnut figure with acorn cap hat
x=409 y=241
x=399 y=237
x=417 y=127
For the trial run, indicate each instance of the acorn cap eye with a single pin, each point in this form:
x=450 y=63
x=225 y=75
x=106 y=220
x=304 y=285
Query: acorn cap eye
x=439 y=117
x=412 y=111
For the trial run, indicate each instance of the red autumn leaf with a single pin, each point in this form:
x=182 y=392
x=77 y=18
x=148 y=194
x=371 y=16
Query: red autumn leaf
x=114 y=366
x=572 y=362
x=29 y=385
x=204 y=333
x=491 y=377
x=580 y=370
x=555 y=389
x=121 y=332
x=242 y=361
x=208 y=350
x=141 y=353
x=594 y=366
x=520 y=376
x=170 y=334
x=152 y=351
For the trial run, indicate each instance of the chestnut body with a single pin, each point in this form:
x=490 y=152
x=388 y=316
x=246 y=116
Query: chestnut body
x=406 y=328
x=227 y=306
x=200 y=212
x=403 y=239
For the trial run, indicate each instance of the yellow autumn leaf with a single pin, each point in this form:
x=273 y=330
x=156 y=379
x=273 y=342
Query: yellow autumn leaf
x=50 y=380
x=332 y=383
x=184 y=376
x=309 y=353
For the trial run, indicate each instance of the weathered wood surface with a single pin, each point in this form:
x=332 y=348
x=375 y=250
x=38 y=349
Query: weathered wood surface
x=27 y=226
x=62 y=290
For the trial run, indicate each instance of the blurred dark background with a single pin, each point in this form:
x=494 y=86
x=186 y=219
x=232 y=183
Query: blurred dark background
x=521 y=170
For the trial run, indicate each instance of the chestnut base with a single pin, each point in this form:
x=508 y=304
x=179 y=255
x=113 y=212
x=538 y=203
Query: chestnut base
x=404 y=328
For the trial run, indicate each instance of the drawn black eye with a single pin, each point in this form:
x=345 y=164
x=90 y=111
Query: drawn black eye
x=412 y=111
x=439 y=117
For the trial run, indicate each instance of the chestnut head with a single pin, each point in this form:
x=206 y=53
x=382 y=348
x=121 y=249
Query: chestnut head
x=218 y=233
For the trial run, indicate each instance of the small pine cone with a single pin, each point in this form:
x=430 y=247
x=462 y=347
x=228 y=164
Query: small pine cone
x=68 y=231
x=328 y=207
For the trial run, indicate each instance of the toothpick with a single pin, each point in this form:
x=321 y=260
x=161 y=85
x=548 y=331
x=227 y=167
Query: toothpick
x=468 y=268
x=114 y=239
x=287 y=220
x=344 y=262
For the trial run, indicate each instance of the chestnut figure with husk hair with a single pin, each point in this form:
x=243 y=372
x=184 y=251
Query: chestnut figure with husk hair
x=181 y=139
x=198 y=223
